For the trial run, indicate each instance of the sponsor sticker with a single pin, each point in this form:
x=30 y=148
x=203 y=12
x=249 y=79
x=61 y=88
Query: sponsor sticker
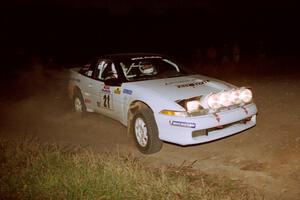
x=183 y=124
x=145 y=57
x=126 y=91
x=117 y=91
x=106 y=89
x=194 y=84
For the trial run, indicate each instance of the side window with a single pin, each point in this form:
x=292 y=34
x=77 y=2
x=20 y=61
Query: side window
x=98 y=69
x=108 y=71
x=88 y=69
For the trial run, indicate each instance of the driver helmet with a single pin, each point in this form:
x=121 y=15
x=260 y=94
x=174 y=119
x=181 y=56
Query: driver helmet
x=147 y=69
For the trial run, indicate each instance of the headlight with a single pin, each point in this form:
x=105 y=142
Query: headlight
x=193 y=106
x=245 y=95
x=224 y=99
x=213 y=101
x=229 y=98
x=235 y=97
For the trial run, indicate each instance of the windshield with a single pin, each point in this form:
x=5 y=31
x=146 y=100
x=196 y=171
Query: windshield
x=150 y=68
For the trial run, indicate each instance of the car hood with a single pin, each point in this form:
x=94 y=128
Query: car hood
x=183 y=87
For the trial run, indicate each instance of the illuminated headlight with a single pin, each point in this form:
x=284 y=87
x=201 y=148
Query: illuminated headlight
x=213 y=101
x=235 y=97
x=224 y=99
x=193 y=106
x=245 y=95
x=229 y=98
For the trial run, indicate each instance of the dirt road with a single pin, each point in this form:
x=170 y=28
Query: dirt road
x=266 y=157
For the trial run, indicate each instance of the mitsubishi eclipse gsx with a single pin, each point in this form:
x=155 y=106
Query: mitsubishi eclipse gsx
x=158 y=101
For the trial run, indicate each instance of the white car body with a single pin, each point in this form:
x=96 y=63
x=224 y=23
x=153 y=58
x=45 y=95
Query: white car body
x=163 y=94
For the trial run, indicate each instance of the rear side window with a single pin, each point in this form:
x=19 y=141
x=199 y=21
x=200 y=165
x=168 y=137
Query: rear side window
x=88 y=69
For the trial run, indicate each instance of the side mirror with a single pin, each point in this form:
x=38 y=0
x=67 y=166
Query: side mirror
x=112 y=82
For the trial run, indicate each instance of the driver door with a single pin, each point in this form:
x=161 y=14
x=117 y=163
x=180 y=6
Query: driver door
x=109 y=100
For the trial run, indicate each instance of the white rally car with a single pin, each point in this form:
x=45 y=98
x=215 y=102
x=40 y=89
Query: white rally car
x=159 y=101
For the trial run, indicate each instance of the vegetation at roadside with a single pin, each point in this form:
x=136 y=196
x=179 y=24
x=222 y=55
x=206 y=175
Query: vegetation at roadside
x=32 y=170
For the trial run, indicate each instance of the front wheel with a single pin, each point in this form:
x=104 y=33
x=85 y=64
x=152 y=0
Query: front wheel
x=145 y=131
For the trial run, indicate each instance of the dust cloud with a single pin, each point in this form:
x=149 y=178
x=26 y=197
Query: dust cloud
x=36 y=104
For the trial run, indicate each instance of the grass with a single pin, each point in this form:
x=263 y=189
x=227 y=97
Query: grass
x=31 y=170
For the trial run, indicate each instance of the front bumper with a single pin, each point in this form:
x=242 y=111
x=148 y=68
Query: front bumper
x=215 y=126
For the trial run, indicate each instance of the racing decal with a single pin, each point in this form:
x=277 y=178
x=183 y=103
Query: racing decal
x=194 y=84
x=183 y=124
x=86 y=100
x=106 y=89
x=117 y=91
x=126 y=91
x=106 y=101
x=217 y=117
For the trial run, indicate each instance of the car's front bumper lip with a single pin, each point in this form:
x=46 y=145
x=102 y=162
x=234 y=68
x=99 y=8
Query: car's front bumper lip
x=179 y=134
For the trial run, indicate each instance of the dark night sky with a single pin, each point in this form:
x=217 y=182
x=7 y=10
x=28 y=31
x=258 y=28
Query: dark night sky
x=134 y=25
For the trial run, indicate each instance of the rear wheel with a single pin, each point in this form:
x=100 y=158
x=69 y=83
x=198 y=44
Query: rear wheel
x=78 y=104
x=145 y=131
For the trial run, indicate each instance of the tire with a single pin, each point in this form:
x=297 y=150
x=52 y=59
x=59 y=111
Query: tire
x=145 y=131
x=79 y=106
